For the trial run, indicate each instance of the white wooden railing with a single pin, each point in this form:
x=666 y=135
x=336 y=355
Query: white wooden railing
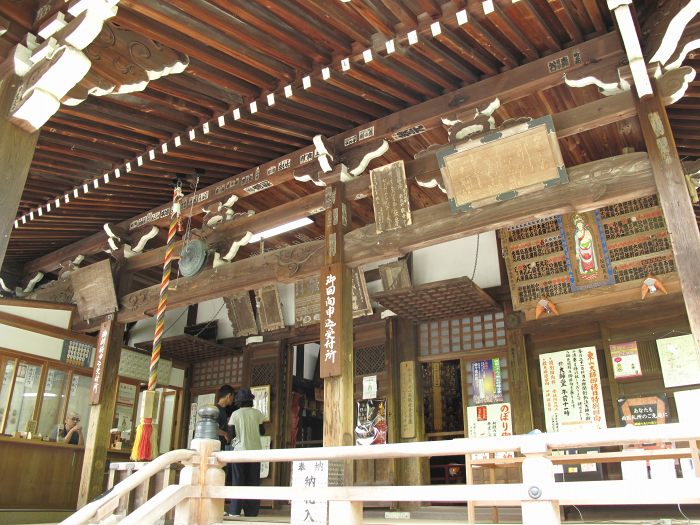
x=198 y=499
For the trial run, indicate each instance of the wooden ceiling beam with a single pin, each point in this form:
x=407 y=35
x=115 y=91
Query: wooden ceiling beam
x=218 y=77
x=593 y=11
x=536 y=19
x=401 y=13
x=562 y=10
x=187 y=97
x=179 y=21
x=418 y=63
x=344 y=19
x=225 y=21
x=475 y=30
x=215 y=59
x=307 y=25
x=91 y=127
x=263 y=20
x=117 y=122
x=365 y=76
x=599 y=54
x=158 y=103
x=312 y=99
x=468 y=53
x=430 y=226
x=69 y=132
x=359 y=104
x=361 y=89
x=255 y=136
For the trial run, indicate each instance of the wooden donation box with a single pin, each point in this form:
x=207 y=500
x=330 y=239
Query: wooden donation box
x=517 y=160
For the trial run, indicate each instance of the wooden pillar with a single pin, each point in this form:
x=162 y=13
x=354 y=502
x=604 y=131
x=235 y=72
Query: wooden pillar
x=16 y=153
x=675 y=203
x=92 y=481
x=520 y=396
x=613 y=387
x=336 y=328
x=409 y=405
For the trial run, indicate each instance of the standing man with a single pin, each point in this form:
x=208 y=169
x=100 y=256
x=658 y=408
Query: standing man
x=247 y=423
x=223 y=399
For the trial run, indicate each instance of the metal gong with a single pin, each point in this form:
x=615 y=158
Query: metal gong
x=192 y=257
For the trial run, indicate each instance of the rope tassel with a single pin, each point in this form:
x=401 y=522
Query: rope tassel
x=146 y=442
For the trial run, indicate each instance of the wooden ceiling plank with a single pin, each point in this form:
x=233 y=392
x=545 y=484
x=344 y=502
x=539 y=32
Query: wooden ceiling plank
x=98 y=138
x=182 y=42
x=194 y=161
x=299 y=21
x=241 y=131
x=362 y=74
x=185 y=96
x=398 y=72
x=215 y=76
x=543 y=29
x=402 y=14
x=562 y=10
x=116 y=121
x=45 y=145
x=293 y=107
x=182 y=22
x=299 y=129
x=223 y=20
x=328 y=91
x=369 y=93
x=476 y=31
x=445 y=60
x=512 y=33
x=159 y=104
x=486 y=65
x=207 y=147
x=213 y=90
x=91 y=127
x=263 y=20
x=341 y=17
x=591 y=7
x=312 y=99
x=373 y=17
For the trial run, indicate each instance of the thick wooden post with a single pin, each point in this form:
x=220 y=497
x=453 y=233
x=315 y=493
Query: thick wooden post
x=336 y=329
x=519 y=383
x=92 y=480
x=409 y=404
x=613 y=387
x=16 y=153
x=675 y=203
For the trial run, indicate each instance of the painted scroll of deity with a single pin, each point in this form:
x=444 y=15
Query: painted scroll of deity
x=587 y=259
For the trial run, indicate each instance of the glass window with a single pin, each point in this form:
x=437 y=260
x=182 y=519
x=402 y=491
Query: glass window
x=123 y=423
x=6 y=386
x=52 y=401
x=23 y=398
x=79 y=399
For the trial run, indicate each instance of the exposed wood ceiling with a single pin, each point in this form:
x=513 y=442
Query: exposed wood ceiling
x=240 y=51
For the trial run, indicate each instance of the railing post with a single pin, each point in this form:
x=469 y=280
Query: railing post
x=203 y=470
x=538 y=479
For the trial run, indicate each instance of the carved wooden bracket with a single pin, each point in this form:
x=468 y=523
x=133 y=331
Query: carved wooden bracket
x=78 y=53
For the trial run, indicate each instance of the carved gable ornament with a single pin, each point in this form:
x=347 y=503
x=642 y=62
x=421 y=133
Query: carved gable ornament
x=77 y=53
x=499 y=166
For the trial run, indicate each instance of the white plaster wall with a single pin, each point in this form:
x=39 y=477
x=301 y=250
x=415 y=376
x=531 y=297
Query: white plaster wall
x=286 y=292
x=175 y=321
x=58 y=318
x=456 y=259
x=28 y=342
x=215 y=311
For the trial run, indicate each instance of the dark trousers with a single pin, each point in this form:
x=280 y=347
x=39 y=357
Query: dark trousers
x=244 y=474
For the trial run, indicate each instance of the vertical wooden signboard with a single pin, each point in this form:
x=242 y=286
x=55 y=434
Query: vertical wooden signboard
x=407 y=372
x=331 y=319
x=100 y=360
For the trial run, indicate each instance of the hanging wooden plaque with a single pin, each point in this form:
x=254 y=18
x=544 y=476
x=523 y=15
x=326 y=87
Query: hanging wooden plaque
x=241 y=315
x=395 y=275
x=307 y=302
x=93 y=290
x=407 y=373
x=361 y=304
x=392 y=209
x=269 y=308
x=331 y=284
x=502 y=165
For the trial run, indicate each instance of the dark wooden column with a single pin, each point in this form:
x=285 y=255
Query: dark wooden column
x=675 y=203
x=92 y=480
x=336 y=326
x=408 y=393
x=520 y=396
x=16 y=153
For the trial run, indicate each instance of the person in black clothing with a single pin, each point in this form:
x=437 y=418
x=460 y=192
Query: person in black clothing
x=71 y=433
x=223 y=400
